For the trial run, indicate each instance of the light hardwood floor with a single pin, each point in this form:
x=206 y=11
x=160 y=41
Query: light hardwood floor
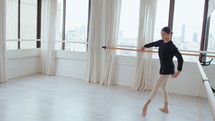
x=53 y=98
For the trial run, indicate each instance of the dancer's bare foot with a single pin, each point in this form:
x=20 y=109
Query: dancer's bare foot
x=144 y=111
x=165 y=110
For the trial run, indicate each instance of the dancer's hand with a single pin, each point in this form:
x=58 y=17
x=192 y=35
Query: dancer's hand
x=175 y=75
x=142 y=49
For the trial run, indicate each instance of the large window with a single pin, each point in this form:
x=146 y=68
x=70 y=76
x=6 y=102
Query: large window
x=162 y=15
x=21 y=24
x=211 y=38
x=128 y=29
x=187 y=25
x=72 y=25
x=211 y=34
x=60 y=31
x=28 y=23
x=12 y=23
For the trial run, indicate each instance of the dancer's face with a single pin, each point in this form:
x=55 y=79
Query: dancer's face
x=165 y=36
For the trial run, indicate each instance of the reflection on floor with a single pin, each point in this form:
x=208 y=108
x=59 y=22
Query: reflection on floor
x=54 y=98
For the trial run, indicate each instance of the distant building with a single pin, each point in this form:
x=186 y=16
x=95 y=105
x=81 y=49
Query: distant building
x=71 y=35
x=183 y=33
x=195 y=36
x=211 y=43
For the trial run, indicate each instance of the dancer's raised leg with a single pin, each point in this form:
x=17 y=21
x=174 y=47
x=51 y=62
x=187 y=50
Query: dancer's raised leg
x=144 y=111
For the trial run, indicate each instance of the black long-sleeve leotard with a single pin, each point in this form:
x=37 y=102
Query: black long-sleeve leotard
x=166 y=53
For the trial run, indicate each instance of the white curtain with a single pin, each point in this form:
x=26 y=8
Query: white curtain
x=49 y=14
x=111 y=35
x=3 y=57
x=145 y=35
x=93 y=72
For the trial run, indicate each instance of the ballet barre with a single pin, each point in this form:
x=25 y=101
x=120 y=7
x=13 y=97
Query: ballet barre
x=151 y=51
x=210 y=95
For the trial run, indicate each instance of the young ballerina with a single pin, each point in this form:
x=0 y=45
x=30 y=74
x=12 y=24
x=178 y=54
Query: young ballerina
x=167 y=50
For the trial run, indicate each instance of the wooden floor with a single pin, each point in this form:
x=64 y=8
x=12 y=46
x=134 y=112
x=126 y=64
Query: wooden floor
x=54 y=98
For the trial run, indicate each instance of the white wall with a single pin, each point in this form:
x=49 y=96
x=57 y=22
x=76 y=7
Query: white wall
x=23 y=62
x=71 y=64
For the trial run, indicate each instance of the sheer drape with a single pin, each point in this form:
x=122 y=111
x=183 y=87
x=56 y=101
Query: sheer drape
x=145 y=35
x=49 y=14
x=111 y=36
x=93 y=72
x=3 y=57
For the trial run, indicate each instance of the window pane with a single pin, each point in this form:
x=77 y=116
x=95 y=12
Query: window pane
x=187 y=25
x=211 y=38
x=28 y=22
x=12 y=19
x=28 y=19
x=162 y=15
x=27 y=44
x=58 y=45
x=11 y=23
x=128 y=28
x=76 y=22
x=71 y=47
x=11 y=45
x=59 y=20
x=75 y=47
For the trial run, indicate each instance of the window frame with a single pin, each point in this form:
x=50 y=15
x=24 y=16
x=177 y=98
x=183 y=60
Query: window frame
x=64 y=27
x=38 y=26
x=205 y=32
